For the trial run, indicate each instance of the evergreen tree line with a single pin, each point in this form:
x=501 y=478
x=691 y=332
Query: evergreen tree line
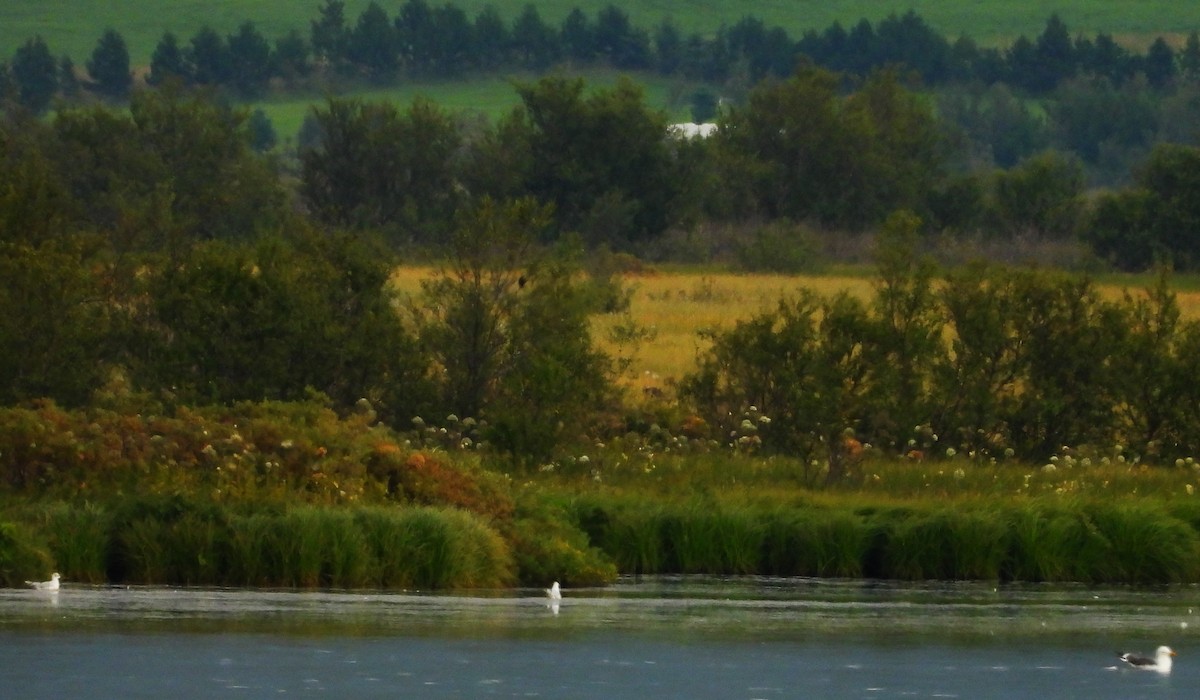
x=424 y=41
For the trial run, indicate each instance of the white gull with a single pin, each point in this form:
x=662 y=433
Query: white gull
x=51 y=585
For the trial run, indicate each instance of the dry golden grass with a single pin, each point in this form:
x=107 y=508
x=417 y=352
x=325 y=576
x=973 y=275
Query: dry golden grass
x=675 y=306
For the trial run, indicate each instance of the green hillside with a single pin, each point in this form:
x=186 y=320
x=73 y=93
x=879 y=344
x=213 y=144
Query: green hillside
x=490 y=97
x=72 y=27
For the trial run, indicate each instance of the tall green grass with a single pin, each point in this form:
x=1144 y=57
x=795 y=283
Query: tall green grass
x=701 y=538
x=77 y=537
x=588 y=538
x=1045 y=545
x=1021 y=539
x=814 y=542
x=946 y=543
x=21 y=556
x=1141 y=543
x=180 y=542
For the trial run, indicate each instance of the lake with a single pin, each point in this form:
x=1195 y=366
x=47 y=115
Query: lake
x=663 y=637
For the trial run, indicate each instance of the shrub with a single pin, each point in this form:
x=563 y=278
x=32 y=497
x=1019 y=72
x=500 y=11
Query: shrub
x=275 y=321
x=549 y=546
x=780 y=247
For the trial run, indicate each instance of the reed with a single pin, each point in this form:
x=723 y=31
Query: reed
x=815 y=542
x=390 y=541
x=632 y=538
x=254 y=554
x=1044 y=543
x=142 y=553
x=1142 y=544
x=318 y=547
x=701 y=537
x=173 y=541
x=196 y=546
x=21 y=556
x=947 y=543
x=479 y=556
x=1036 y=540
x=166 y=540
x=76 y=537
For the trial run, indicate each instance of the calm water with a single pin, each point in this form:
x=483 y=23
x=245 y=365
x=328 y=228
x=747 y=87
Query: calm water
x=660 y=638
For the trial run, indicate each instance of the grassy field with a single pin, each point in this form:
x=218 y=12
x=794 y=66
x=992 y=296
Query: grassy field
x=490 y=97
x=676 y=306
x=73 y=26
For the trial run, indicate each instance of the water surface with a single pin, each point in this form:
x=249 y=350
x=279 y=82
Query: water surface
x=656 y=638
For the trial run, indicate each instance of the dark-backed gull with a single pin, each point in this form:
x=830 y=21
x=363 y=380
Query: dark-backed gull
x=1161 y=661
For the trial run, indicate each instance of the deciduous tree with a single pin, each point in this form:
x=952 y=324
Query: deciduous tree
x=373 y=166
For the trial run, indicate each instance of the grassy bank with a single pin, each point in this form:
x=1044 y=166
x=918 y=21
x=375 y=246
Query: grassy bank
x=634 y=505
x=180 y=542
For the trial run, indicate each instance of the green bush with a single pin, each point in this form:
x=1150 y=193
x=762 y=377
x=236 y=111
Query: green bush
x=779 y=247
x=548 y=546
x=274 y=321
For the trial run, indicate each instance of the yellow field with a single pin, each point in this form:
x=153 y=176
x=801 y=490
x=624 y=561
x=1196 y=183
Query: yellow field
x=675 y=306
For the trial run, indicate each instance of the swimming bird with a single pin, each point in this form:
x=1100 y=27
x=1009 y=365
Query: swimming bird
x=553 y=592
x=51 y=585
x=1161 y=661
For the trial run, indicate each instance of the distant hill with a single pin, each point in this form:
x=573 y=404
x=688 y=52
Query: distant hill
x=73 y=27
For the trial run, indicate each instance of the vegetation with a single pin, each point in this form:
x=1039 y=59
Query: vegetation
x=1074 y=78
x=990 y=23
x=212 y=376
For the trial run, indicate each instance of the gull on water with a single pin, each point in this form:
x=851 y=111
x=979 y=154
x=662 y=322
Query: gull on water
x=1161 y=661
x=51 y=585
